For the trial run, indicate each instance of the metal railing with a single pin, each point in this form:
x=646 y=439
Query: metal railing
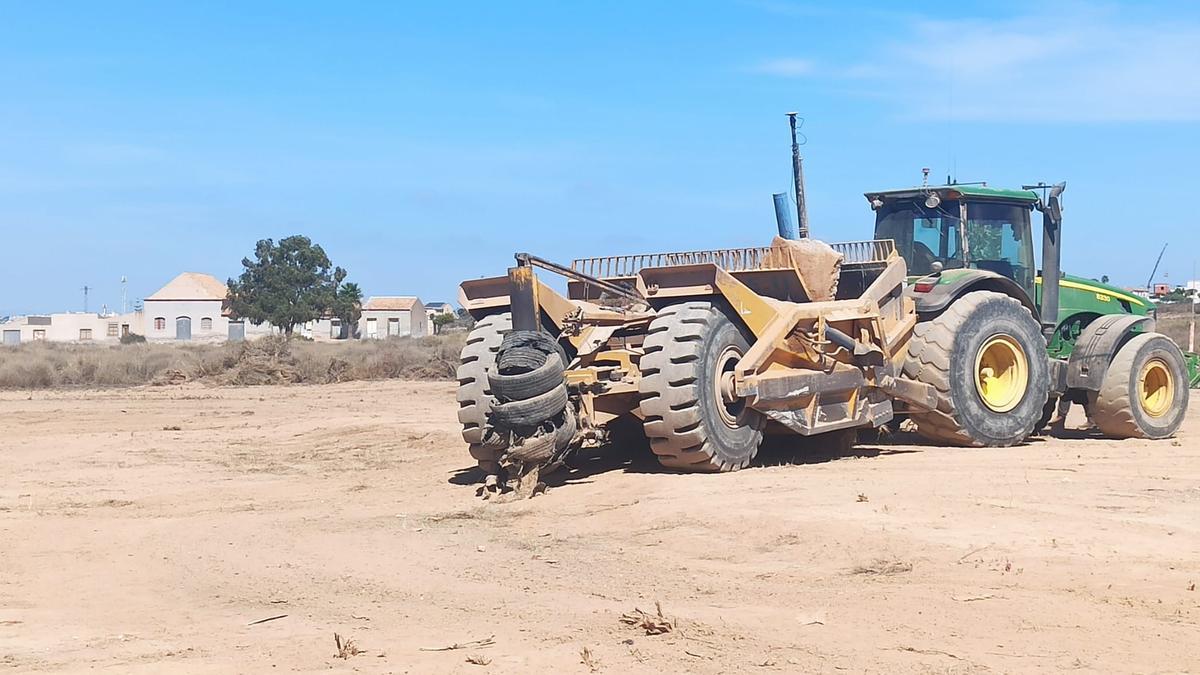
x=728 y=259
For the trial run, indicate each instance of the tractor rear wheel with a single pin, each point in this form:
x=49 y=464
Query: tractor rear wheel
x=691 y=417
x=986 y=357
x=1145 y=390
x=474 y=395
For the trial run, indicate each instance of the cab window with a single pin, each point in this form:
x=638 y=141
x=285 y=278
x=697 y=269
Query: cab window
x=998 y=240
x=923 y=235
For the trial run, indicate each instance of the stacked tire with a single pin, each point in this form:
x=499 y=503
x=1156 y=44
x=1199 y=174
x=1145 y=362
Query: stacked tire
x=513 y=399
x=531 y=400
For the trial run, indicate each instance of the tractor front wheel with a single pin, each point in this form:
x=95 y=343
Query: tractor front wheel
x=986 y=358
x=1145 y=390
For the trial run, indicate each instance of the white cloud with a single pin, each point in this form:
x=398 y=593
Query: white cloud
x=1087 y=65
x=785 y=67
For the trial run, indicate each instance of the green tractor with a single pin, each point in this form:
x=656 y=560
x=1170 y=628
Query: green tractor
x=980 y=299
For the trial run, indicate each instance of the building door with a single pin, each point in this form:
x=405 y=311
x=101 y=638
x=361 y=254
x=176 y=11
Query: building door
x=124 y=329
x=372 y=328
x=393 y=327
x=183 y=328
x=237 y=331
x=12 y=337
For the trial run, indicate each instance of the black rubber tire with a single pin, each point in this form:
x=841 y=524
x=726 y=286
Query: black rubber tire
x=681 y=409
x=517 y=360
x=474 y=397
x=1117 y=408
x=534 y=450
x=565 y=433
x=532 y=411
x=942 y=353
x=522 y=351
x=521 y=386
x=542 y=447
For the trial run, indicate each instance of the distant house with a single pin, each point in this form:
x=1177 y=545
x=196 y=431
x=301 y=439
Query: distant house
x=192 y=306
x=1160 y=290
x=82 y=327
x=433 y=309
x=393 y=316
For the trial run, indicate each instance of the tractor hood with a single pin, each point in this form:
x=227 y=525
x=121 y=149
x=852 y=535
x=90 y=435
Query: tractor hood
x=1079 y=294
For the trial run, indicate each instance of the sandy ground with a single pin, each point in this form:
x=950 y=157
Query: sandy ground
x=145 y=530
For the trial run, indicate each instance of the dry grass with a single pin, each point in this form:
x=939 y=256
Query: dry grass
x=264 y=361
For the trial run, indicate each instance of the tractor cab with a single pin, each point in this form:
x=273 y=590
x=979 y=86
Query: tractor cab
x=941 y=229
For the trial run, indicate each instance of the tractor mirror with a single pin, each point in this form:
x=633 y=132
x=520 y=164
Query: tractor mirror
x=1054 y=202
x=1054 y=208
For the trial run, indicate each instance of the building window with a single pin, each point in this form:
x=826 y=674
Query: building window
x=39 y=335
x=160 y=323
x=114 y=330
x=85 y=333
x=206 y=323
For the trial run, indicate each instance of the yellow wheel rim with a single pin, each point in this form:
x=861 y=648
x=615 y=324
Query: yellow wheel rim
x=1001 y=373
x=1156 y=388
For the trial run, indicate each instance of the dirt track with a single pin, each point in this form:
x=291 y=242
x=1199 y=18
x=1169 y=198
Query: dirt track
x=129 y=546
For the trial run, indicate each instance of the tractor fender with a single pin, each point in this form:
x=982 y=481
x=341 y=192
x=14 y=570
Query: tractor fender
x=965 y=281
x=1096 y=347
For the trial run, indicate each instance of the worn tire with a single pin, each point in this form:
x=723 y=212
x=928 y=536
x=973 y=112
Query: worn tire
x=522 y=351
x=542 y=447
x=943 y=353
x=532 y=411
x=474 y=397
x=684 y=416
x=1119 y=409
x=520 y=386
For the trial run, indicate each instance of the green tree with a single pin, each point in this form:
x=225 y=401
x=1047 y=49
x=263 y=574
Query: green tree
x=286 y=284
x=1104 y=278
x=440 y=320
x=347 y=304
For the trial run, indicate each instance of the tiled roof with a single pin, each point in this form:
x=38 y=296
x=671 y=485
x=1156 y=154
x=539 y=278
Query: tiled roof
x=192 y=286
x=390 y=303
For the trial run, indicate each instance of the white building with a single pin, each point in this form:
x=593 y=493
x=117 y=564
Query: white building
x=69 y=327
x=433 y=309
x=192 y=306
x=386 y=316
x=195 y=307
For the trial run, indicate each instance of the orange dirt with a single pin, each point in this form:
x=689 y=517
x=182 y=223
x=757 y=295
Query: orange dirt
x=132 y=547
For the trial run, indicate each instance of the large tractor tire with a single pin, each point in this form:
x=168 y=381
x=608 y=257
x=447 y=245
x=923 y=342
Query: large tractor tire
x=986 y=357
x=474 y=396
x=691 y=425
x=1145 y=390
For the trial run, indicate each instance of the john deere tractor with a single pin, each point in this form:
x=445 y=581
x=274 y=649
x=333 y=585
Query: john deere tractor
x=970 y=247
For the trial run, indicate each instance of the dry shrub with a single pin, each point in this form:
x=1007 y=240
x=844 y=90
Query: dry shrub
x=270 y=360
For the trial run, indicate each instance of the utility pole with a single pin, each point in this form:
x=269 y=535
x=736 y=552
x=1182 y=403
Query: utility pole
x=86 y=288
x=798 y=178
x=124 y=295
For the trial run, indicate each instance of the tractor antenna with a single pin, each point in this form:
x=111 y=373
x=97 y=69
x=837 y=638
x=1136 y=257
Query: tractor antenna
x=798 y=178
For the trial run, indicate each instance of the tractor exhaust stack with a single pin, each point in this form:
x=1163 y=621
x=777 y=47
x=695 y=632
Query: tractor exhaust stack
x=798 y=179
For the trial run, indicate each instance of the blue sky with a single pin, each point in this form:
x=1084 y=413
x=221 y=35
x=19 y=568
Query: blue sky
x=422 y=143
